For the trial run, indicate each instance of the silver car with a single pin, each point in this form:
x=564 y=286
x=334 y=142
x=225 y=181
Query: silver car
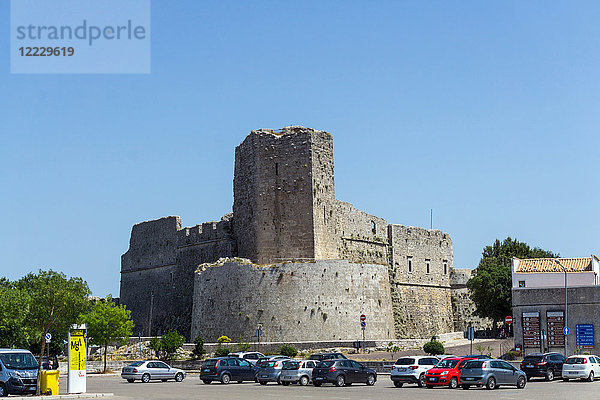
x=151 y=370
x=270 y=371
x=491 y=374
x=297 y=372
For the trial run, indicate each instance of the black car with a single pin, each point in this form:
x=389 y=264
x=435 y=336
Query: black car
x=546 y=365
x=343 y=372
x=327 y=356
x=227 y=369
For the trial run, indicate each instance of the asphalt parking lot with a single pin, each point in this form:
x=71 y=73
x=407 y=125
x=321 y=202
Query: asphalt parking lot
x=192 y=388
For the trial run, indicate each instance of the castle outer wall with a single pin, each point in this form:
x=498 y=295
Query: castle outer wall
x=322 y=301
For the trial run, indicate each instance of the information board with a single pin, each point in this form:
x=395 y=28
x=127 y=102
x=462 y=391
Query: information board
x=76 y=379
x=555 y=321
x=585 y=335
x=531 y=329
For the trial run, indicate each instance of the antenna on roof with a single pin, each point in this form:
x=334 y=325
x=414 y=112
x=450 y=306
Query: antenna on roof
x=431 y=219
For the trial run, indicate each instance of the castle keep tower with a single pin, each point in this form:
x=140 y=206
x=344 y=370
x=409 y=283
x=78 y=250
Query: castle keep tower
x=284 y=196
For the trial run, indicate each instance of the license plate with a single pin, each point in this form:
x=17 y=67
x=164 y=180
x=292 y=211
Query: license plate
x=529 y=365
x=32 y=387
x=402 y=369
x=206 y=370
x=319 y=378
x=431 y=379
x=572 y=373
x=264 y=376
x=469 y=379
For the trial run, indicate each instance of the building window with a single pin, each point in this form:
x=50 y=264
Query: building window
x=373 y=227
x=445 y=267
x=521 y=283
x=409 y=258
x=427 y=266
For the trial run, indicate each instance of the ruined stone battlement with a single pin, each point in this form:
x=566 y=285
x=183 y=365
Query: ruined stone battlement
x=285 y=210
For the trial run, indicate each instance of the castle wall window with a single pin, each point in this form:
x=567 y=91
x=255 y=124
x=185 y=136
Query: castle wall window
x=445 y=267
x=427 y=266
x=276 y=168
x=373 y=227
x=409 y=259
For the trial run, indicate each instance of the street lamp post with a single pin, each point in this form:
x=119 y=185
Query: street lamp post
x=565 y=271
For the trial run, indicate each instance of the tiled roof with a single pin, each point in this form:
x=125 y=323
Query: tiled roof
x=548 y=265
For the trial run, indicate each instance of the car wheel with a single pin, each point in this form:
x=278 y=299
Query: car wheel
x=491 y=383
x=179 y=377
x=206 y=382
x=225 y=379
x=146 y=378
x=340 y=381
x=591 y=377
x=466 y=387
x=453 y=383
x=164 y=380
x=370 y=380
x=3 y=391
x=285 y=383
x=130 y=380
x=549 y=375
x=421 y=381
x=316 y=384
x=398 y=384
x=303 y=381
x=521 y=382
x=565 y=379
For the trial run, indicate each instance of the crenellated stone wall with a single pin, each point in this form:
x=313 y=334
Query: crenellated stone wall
x=285 y=210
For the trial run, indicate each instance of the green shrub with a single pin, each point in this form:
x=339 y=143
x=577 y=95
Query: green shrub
x=222 y=351
x=288 y=350
x=170 y=343
x=155 y=345
x=198 y=351
x=434 y=347
x=242 y=346
x=223 y=339
x=511 y=355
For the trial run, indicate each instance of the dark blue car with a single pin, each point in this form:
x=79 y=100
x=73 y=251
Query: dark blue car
x=227 y=369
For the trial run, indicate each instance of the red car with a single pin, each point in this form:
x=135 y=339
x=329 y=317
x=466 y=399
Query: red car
x=446 y=372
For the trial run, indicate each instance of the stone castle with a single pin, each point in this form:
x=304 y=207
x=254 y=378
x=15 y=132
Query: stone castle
x=291 y=258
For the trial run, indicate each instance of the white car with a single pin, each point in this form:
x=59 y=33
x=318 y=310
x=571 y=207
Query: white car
x=412 y=370
x=581 y=367
x=251 y=356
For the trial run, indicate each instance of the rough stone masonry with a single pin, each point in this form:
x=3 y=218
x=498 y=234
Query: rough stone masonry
x=291 y=257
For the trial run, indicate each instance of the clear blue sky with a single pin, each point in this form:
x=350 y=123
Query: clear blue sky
x=486 y=112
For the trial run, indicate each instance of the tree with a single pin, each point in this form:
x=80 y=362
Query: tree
x=434 y=347
x=170 y=343
x=491 y=284
x=107 y=322
x=156 y=346
x=14 y=308
x=55 y=304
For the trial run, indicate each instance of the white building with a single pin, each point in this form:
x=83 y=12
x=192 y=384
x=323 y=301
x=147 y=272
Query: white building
x=545 y=273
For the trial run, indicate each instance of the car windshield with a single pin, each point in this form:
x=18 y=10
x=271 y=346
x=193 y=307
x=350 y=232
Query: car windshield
x=136 y=364
x=474 y=364
x=210 y=363
x=316 y=357
x=291 y=365
x=405 y=361
x=447 y=363
x=18 y=360
x=576 y=360
x=325 y=364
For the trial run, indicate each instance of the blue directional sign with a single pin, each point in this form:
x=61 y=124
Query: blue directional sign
x=566 y=330
x=363 y=324
x=584 y=334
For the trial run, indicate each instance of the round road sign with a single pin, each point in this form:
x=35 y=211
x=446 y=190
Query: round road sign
x=508 y=320
x=363 y=317
x=566 y=330
x=48 y=337
x=363 y=324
